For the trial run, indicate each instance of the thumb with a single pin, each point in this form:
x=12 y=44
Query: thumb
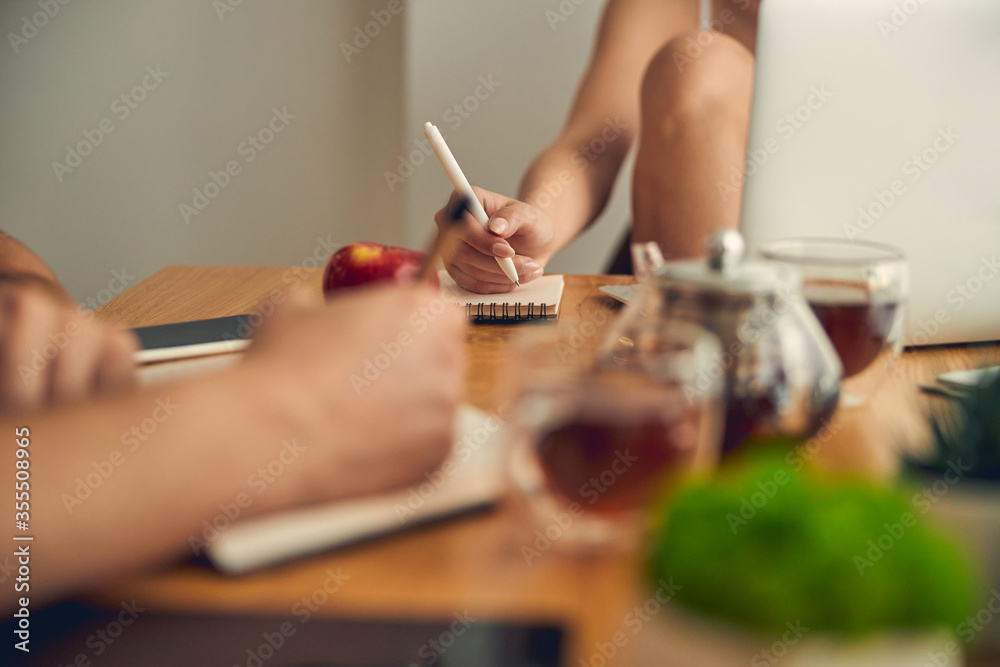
x=510 y=220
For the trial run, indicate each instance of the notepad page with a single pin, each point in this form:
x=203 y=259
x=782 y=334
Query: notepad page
x=546 y=290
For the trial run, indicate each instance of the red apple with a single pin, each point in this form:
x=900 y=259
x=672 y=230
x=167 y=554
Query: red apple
x=362 y=263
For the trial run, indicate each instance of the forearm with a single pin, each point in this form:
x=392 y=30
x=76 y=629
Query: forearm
x=125 y=483
x=583 y=164
x=19 y=263
x=571 y=180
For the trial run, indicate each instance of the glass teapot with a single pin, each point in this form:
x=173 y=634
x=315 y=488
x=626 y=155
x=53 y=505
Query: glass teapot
x=781 y=373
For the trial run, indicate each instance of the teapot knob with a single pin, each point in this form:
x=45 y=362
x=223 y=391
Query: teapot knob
x=725 y=249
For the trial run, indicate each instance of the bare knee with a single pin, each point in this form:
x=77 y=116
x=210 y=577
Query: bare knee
x=697 y=75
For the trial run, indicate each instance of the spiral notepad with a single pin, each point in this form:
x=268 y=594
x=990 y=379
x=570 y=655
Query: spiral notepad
x=537 y=300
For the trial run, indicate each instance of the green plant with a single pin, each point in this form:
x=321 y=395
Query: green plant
x=764 y=544
x=968 y=430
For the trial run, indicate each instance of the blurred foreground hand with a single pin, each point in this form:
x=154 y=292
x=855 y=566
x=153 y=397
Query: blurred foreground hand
x=51 y=352
x=375 y=376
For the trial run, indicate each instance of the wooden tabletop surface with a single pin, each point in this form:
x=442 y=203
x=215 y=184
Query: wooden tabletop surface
x=474 y=564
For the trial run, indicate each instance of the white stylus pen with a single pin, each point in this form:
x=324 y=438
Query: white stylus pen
x=463 y=188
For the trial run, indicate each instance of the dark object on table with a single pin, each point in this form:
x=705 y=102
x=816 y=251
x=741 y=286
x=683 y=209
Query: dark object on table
x=621 y=262
x=968 y=431
x=129 y=635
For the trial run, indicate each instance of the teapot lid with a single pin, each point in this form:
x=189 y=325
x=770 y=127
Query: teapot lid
x=726 y=271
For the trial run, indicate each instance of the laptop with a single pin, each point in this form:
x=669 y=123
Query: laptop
x=879 y=120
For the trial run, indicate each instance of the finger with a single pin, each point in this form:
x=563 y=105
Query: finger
x=26 y=351
x=444 y=216
x=530 y=271
x=116 y=370
x=74 y=369
x=485 y=268
x=472 y=284
x=494 y=202
x=491 y=201
x=512 y=219
x=466 y=255
x=527 y=273
x=410 y=297
x=482 y=238
x=298 y=300
x=473 y=234
x=424 y=291
x=527 y=270
x=496 y=279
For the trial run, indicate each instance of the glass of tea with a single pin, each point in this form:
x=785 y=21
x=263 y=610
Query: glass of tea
x=858 y=291
x=596 y=442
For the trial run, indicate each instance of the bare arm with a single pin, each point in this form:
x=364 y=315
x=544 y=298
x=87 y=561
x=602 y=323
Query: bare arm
x=604 y=113
x=19 y=264
x=125 y=483
x=51 y=353
x=569 y=183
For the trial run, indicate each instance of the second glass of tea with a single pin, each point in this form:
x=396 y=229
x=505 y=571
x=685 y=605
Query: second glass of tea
x=858 y=291
x=598 y=441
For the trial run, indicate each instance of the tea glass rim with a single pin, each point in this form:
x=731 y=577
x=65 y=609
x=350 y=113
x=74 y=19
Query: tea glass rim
x=803 y=251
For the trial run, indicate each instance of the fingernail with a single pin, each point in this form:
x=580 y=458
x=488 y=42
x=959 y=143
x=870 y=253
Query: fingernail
x=530 y=269
x=498 y=225
x=502 y=250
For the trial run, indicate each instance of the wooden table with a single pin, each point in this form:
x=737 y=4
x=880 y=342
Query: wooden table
x=474 y=564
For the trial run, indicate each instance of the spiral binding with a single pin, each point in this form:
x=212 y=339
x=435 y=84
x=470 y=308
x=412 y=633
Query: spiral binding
x=518 y=312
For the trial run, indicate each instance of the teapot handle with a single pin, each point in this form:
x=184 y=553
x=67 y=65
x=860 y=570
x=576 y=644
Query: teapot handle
x=646 y=259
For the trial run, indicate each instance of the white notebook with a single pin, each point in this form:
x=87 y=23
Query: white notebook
x=536 y=300
x=474 y=479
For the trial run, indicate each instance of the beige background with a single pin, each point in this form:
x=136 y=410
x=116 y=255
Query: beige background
x=322 y=178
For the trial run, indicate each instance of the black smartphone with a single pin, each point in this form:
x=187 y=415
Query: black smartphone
x=193 y=339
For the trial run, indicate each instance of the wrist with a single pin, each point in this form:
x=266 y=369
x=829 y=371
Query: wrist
x=279 y=414
x=13 y=279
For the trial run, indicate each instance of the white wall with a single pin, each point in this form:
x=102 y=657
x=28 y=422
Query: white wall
x=323 y=176
x=120 y=207
x=454 y=42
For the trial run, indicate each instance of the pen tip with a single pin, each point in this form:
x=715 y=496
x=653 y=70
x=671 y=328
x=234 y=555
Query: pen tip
x=517 y=282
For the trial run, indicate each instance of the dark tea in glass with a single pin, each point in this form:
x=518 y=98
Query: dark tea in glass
x=597 y=442
x=613 y=464
x=858 y=327
x=858 y=292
